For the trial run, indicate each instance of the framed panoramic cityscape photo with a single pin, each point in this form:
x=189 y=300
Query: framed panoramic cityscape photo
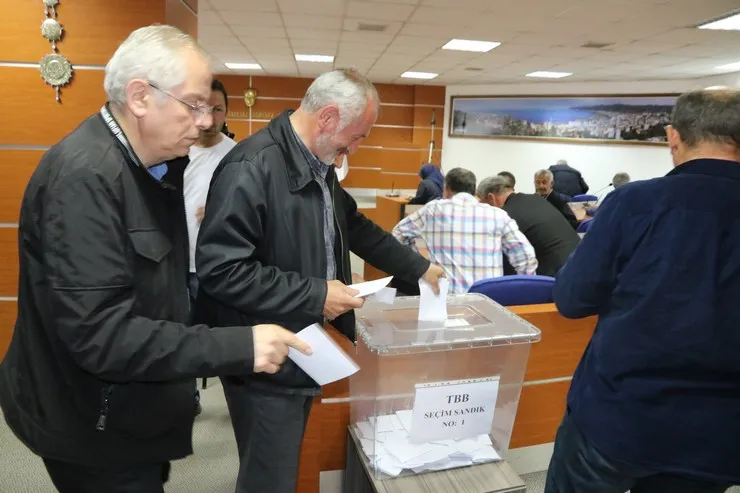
x=627 y=119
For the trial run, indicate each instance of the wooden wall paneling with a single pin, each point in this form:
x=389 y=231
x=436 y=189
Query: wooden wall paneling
x=181 y=15
x=8 y=313
x=422 y=136
x=240 y=128
x=390 y=137
x=92 y=30
x=401 y=160
x=399 y=94
x=276 y=87
x=263 y=109
x=396 y=115
x=541 y=408
x=361 y=178
x=398 y=181
x=429 y=95
x=423 y=116
x=9 y=265
x=16 y=167
x=37 y=118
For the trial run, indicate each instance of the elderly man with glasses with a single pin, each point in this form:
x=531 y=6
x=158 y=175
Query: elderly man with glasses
x=99 y=376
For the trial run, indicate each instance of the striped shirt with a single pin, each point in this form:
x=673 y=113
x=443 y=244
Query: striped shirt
x=466 y=238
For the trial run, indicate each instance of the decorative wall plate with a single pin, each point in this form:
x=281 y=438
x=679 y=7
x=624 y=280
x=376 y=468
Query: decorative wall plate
x=56 y=71
x=52 y=31
x=50 y=4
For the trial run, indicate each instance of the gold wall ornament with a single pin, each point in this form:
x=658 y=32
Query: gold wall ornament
x=56 y=71
x=250 y=96
x=49 y=9
x=51 y=30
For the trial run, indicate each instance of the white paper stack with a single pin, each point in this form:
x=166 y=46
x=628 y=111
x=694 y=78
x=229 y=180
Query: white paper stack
x=384 y=439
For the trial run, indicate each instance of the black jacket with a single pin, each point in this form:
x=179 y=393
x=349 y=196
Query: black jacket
x=568 y=180
x=560 y=202
x=427 y=191
x=552 y=238
x=261 y=256
x=101 y=365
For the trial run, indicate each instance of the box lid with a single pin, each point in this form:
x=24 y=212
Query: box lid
x=473 y=320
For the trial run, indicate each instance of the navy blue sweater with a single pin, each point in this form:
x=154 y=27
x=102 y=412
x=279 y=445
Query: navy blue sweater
x=659 y=383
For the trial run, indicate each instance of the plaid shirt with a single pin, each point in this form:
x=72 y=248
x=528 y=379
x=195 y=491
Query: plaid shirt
x=466 y=239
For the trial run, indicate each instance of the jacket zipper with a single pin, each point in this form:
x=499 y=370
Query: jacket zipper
x=104 y=407
x=341 y=247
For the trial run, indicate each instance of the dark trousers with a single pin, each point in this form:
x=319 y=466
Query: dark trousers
x=577 y=467
x=269 y=430
x=74 y=478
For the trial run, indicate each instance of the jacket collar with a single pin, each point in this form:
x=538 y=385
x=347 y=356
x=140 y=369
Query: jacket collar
x=712 y=167
x=296 y=165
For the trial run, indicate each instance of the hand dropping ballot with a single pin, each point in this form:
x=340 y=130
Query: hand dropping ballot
x=433 y=307
x=328 y=362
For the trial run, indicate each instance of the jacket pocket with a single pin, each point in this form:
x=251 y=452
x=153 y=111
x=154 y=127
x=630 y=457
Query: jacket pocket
x=146 y=410
x=151 y=244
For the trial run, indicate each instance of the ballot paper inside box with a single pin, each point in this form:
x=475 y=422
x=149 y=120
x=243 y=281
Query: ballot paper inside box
x=437 y=395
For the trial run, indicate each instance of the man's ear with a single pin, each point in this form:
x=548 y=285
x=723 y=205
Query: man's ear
x=138 y=97
x=328 y=118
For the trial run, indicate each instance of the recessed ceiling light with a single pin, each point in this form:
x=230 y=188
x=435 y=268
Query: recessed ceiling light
x=243 y=66
x=715 y=88
x=549 y=75
x=314 y=58
x=729 y=23
x=419 y=75
x=470 y=45
x=730 y=66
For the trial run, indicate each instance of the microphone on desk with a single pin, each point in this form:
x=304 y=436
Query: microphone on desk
x=392 y=192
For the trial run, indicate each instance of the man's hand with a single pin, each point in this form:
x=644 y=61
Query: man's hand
x=200 y=214
x=271 y=343
x=340 y=299
x=433 y=274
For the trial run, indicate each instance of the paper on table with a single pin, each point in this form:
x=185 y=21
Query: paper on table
x=328 y=363
x=433 y=307
x=370 y=287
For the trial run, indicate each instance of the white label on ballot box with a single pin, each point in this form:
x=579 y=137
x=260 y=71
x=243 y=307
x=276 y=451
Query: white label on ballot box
x=453 y=410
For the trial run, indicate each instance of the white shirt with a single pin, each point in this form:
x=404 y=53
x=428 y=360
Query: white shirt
x=196 y=180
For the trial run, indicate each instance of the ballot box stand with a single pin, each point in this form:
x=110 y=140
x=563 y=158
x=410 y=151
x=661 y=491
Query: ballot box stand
x=436 y=396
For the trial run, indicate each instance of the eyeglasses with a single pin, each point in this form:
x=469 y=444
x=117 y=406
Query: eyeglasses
x=198 y=110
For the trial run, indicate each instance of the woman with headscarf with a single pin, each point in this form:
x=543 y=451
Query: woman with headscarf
x=431 y=186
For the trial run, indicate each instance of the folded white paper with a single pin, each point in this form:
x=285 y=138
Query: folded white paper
x=433 y=307
x=391 y=452
x=328 y=363
x=370 y=287
x=385 y=295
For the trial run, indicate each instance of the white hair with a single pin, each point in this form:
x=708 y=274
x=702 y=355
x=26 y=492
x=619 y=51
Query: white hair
x=346 y=88
x=153 y=53
x=546 y=173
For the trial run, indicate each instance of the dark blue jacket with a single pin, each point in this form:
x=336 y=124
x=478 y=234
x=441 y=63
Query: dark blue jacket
x=568 y=180
x=659 y=383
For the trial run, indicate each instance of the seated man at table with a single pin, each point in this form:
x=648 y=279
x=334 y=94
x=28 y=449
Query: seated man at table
x=466 y=237
x=552 y=238
x=543 y=185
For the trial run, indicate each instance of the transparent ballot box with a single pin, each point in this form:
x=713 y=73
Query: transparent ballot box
x=432 y=396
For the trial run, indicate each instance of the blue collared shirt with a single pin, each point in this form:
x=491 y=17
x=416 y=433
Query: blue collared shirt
x=320 y=170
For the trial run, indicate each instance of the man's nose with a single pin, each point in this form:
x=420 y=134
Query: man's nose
x=204 y=122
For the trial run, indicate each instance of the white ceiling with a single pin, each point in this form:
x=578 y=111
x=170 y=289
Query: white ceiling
x=651 y=39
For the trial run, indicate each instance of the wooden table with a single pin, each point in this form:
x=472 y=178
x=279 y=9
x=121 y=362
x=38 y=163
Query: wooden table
x=492 y=477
